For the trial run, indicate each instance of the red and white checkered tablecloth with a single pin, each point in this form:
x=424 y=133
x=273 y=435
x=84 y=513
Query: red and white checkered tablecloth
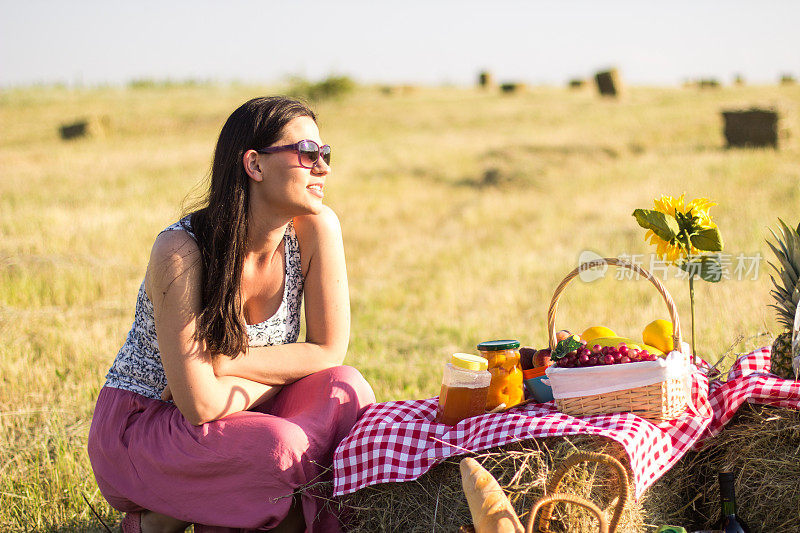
x=749 y=380
x=399 y=441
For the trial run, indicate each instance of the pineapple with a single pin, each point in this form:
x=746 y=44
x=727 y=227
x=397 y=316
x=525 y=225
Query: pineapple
x=787 y=295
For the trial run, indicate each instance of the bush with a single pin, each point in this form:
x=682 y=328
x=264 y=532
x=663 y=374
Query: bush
x=330 y=87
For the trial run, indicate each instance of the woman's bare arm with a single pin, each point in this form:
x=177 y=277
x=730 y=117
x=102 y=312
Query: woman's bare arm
x=327 y=312
x=173 y=285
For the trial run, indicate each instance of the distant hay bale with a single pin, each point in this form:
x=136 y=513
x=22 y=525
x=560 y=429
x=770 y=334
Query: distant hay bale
x=787 y=79
x=703 y=83
x=576 y=83
x=751 y=128
x=510 y=88
x=73 y=130
x=394 y=90
x=608 y=82
x=491 y=177
x=761 y=444
x=485 y=80
x=709 y=83
x=96 y=126
x=435 y=501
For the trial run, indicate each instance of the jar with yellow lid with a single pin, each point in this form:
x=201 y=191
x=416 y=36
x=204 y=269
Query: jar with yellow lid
x=504 y=366
x=465 y=385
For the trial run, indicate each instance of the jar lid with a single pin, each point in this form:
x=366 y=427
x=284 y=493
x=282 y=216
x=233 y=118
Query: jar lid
x=467 y=361
x=494 y=346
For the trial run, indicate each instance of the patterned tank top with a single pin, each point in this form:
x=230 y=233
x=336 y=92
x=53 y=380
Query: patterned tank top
x=138 y=368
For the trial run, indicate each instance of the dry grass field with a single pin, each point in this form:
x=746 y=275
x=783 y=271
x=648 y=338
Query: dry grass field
x=461 y=212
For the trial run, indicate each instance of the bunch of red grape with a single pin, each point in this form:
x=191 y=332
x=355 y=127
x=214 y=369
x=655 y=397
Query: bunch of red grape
x=603 y=355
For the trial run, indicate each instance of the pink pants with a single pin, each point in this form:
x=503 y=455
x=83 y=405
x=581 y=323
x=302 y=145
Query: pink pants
x=237 y=473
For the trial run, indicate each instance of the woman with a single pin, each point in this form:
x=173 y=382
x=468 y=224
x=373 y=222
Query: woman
x=212 y=412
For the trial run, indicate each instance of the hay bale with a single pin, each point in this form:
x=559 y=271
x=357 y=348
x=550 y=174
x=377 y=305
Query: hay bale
x=753 y=127
x=576 y=83
x=97 y=126
x=709 y=83
x=762 y=444
x=510 y=88
x=435 y=501
x=485 y=80
x=73 y=130
x=608 y=82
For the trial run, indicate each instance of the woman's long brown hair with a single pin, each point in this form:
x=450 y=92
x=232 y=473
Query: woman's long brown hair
x=220 y=225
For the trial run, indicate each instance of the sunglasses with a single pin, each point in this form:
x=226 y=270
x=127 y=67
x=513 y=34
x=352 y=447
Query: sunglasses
x=308 y=152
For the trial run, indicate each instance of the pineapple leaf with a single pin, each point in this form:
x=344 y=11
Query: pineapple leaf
x=781 y=318
x=786 y=267
x=786 y=279
x=793 y=243
x=789 y=243
x=786 y=305
x=780 y=296
x=780 y=241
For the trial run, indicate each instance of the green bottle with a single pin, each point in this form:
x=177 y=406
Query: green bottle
x=671 y=529
x=730 y=521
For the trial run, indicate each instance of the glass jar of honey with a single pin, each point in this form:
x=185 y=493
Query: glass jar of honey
x=504 y=366
x=465 y=384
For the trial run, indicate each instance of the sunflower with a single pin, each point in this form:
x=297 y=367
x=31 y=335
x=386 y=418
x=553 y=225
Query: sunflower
x=681 y=233
x=691 y=218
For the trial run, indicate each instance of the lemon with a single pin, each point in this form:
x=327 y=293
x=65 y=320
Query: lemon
x=658 y=333
x=596 y=332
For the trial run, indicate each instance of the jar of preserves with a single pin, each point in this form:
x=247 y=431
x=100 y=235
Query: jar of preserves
x=465 y=385
x=504 y=366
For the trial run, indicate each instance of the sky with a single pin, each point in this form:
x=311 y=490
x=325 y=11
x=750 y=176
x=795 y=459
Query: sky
x=99 y=42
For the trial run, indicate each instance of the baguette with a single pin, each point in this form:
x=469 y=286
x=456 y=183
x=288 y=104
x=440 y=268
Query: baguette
x=490 y=509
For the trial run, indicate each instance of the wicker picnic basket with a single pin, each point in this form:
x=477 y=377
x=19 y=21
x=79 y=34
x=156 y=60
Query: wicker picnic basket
x=664 y=400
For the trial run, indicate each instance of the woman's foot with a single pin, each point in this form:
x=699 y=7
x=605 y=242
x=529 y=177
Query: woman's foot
x=152 y=522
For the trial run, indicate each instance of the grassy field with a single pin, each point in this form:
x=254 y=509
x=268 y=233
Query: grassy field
x=461 y=212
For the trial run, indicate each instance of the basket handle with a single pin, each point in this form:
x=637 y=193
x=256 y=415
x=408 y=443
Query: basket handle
x=568 y=498
x=555 y=482
x=673 y=310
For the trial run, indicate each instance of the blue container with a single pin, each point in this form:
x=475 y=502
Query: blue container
x=541 y=392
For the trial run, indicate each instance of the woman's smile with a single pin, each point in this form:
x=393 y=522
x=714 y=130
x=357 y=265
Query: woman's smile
x=316 y=189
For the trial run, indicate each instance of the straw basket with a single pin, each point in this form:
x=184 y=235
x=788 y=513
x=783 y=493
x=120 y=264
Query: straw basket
x=664 y=400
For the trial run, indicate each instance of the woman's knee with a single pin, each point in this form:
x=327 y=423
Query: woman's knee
x=347 y=384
